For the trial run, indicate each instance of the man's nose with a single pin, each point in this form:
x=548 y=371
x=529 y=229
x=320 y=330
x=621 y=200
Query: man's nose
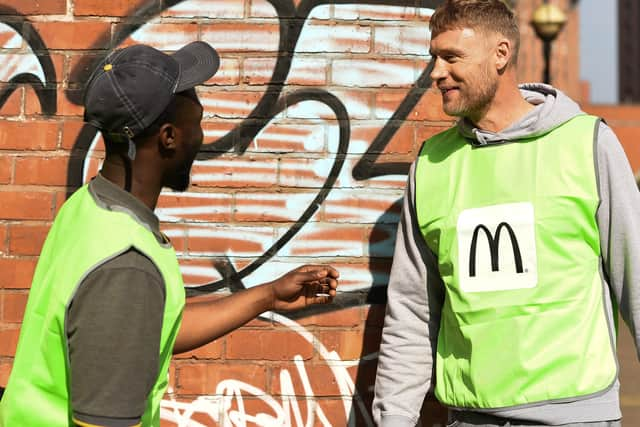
x=439 y=71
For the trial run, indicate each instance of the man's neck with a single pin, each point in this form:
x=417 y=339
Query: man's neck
x=131 y=179
x=507 y=107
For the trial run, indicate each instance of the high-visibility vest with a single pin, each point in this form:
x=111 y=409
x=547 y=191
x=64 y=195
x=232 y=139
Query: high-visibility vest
x=514 y=229
x=83 y=236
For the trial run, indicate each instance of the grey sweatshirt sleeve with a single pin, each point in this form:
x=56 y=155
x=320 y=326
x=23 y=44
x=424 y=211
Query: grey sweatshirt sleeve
x=412 y=320
x=619 y=222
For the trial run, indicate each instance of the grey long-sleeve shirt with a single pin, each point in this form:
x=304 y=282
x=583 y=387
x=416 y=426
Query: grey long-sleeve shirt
x=416 y=292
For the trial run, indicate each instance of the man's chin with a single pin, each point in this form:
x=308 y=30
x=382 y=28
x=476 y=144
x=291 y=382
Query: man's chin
x=179 y=186
x=454 y=112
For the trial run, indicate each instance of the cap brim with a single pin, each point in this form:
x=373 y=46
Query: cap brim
x=198 y=63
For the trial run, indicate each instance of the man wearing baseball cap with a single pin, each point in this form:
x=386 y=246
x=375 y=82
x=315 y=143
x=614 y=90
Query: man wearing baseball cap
x=107 y=307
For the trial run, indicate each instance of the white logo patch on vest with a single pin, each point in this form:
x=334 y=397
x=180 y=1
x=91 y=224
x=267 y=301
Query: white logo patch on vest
x=497 y=248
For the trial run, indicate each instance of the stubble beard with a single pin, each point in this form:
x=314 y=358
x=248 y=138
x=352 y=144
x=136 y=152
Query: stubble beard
x=471 y=104
x=181 y=178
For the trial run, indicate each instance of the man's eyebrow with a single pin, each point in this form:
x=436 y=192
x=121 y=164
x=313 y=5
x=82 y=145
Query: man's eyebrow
x=445 y=51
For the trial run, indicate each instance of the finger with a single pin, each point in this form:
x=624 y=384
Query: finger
x=326 y=289
x=319 y=270
x=329 y=282
x=322 y=298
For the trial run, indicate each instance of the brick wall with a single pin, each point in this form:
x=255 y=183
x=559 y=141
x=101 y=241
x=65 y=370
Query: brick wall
x=310 y=126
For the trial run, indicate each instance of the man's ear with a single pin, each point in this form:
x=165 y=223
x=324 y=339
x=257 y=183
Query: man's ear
x=167 y=136
x=504 y=51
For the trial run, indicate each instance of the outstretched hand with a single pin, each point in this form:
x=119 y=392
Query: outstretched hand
x=304 y=286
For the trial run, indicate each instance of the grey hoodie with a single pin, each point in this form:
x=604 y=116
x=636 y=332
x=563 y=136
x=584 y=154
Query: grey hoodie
x=415 y=293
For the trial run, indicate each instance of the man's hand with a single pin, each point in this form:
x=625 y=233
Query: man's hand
x=304 y=286
x=208 y=317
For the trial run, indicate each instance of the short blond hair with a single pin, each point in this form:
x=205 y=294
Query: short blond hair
x=484 y=15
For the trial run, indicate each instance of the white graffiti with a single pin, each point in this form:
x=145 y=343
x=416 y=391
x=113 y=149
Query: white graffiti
x=296 y=150
x=227 y=407
x=231 y=212
x=17 y=57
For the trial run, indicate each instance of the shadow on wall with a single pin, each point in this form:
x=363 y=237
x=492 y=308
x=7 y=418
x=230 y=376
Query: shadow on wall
x=432 y=413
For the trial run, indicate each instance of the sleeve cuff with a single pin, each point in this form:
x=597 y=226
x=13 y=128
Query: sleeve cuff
x=396 y=421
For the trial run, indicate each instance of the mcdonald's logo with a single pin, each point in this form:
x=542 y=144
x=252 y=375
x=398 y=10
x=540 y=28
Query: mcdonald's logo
x=497 y=248
x=494 y=244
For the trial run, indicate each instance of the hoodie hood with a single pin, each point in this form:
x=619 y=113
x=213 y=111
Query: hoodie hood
x=552 y=108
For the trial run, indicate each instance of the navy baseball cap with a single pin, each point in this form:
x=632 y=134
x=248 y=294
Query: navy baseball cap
x=133 y=86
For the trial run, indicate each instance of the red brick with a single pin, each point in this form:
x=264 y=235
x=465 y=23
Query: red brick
x=27 y=239
x=363 y=207
x=5 y=371
x=332 y=238
x=242 y=173
x=229 y=104
x=363 y=98
x=320 y=377
x=14 y=305
x=58 y=61
x=426 y=131
x=614 y=114
x=28 y=135
x=213 y=350
x=373 y=74
x=203 y=378
x=81 y=65
x=347 y=38
x=358 y=11
x=59 y=199
x=220 y=244
x=308 y=72
x=37 y=7
x=258 y=71
x=17 y=273
x=244 y=37
x=401 y=142
x=334 y=410
x=9 y=341
x=347 y=343
x=179 y=411
x=165 y=36
x=211 y=207
x=26 y=205
x=345 y=318
x=4 y=233
x=429 y=107
x=74 y=35
x=402 y=40
x=41 y=170
x=252 y=408
x=111 y=8
x=268 y=207
x=628 y=137
x=228 y=74
x=71 y=131
x=267 y=345
x=13 y=105
x=65 y=107
x=195 y=9
x=6 y=169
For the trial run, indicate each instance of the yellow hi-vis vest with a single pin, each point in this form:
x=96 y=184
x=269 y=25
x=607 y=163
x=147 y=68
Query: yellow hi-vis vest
x=514 y=229
x=82 y=237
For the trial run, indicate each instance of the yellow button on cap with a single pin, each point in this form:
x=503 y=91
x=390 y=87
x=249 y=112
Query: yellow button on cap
x=108 y=67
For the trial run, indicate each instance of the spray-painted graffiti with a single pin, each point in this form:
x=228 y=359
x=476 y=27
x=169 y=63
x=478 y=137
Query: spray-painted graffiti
x=295 y=124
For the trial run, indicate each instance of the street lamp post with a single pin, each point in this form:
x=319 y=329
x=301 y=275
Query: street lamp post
x=548 y=21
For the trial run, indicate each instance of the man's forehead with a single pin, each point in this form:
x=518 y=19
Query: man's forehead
x=458 y=38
